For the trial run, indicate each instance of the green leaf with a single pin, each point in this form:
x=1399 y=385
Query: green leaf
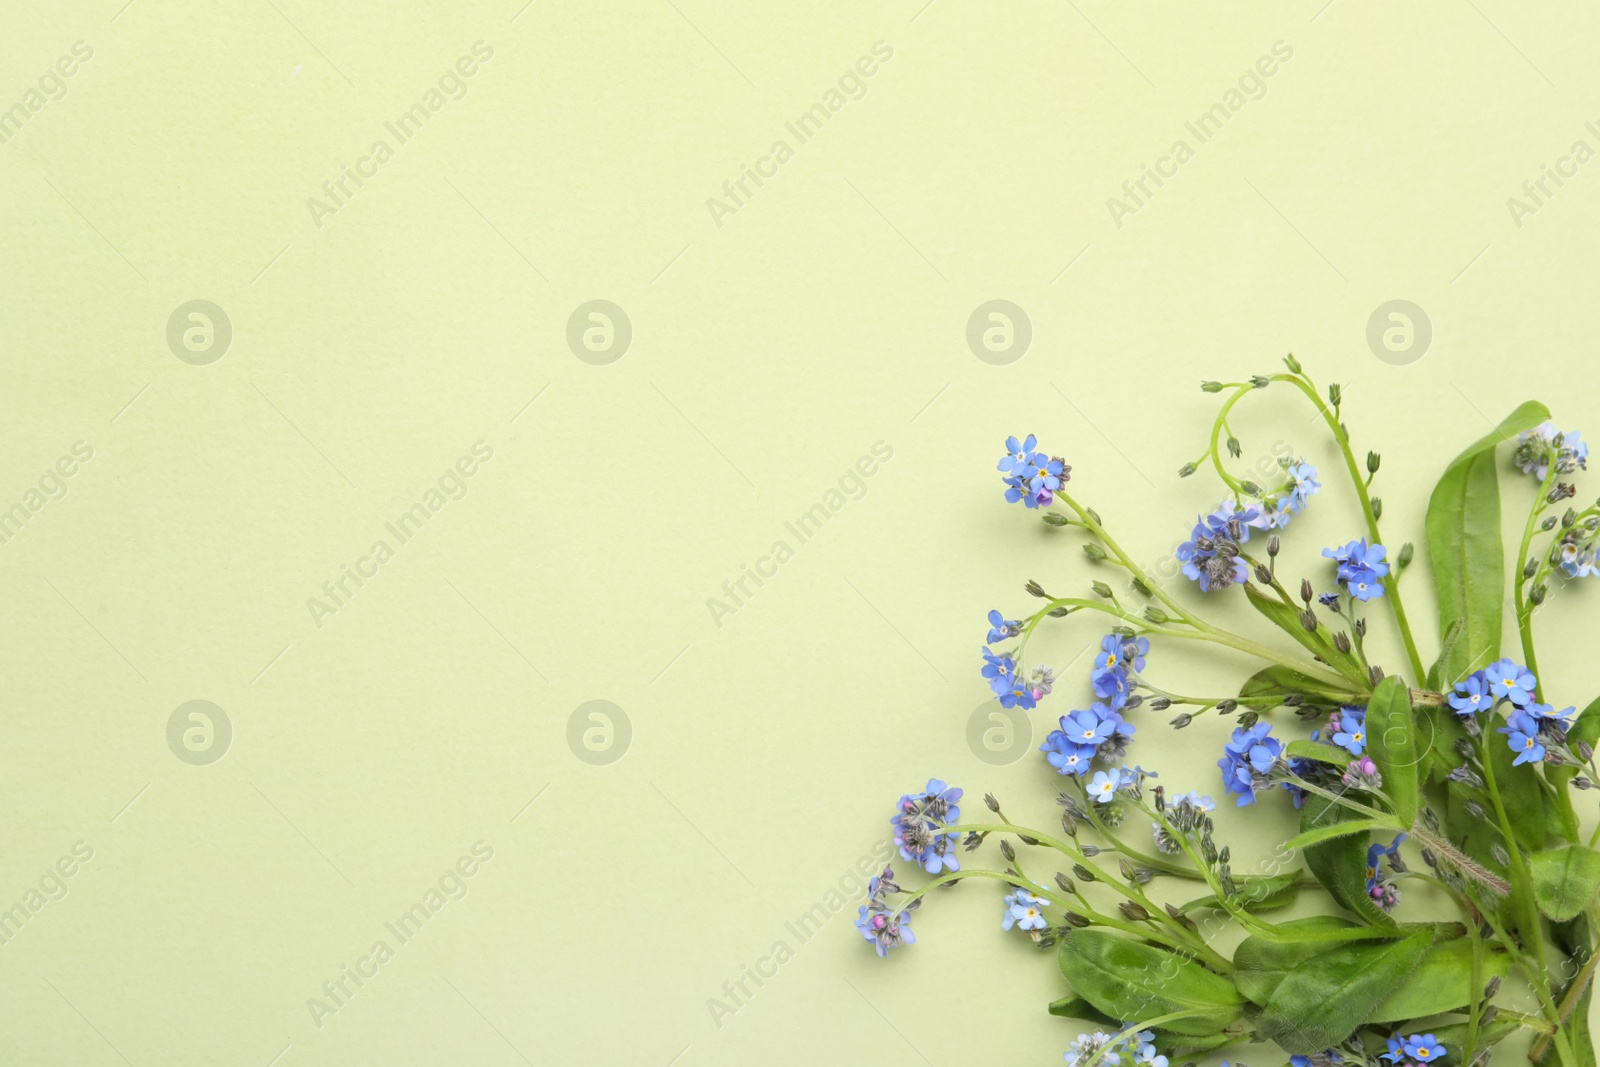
x=1521 y=794
x=1331 y=754
x=1565 y=880
x=1130 y=981
x=1329 y=831
x=1260 y=963
x=1573 y=939
x=1465 y=551
x=1073 y=1006
x=1392 y=743
x=1340 y=864
x=1442 y=982
x=1287 y=619
x=1438 y=730
x=1324 y=999
x=1267 y=893
x=1268 y=686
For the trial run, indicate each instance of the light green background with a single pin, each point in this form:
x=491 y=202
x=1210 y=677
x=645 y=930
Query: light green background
x=827 y=313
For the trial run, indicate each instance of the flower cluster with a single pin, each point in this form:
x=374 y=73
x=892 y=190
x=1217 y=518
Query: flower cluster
x=1101 y=731
x=1024 y=911
x=918 y=828
x=1031 y=478
x=1361 y=568
x=881 y=924
x=1184 y=813
x=1100 y=1047
x=1414 y=1049
x=1212 y=556
x=1543 y=445
x=1530 y=726
x=1347 y=728
x=1246 y=761
x=1277 y=509
x=1383 y=892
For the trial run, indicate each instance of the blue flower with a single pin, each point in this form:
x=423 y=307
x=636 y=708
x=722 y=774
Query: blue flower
x=1002 y=628
x=1361 y=568
x=1423 y=1048
x=1380 y=890
x=1024 y=910
x=1472 y=694
x=1352 y=733
x=1104 y=785
x=1538 y=447
x=1134 y=649
x=1020 y=695
x=1048 y=474
x=1548 y=712
x=1111 y=686
x=1019 y=456
x=1064 y=756
x=1211 y=556
x=1522 y=735
x=1109 y=656
x=918 y=827
x=1576 y=560
x=1122 y=731
x=1247 y=756
x=884 y=927
x=1328 y=1055
x=1000 y=670
x=1511 y=681
x=1396 y=1051
x=1304 y=476
x=1087 y=728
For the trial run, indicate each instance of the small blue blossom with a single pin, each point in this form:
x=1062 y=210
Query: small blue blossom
x=1104 y=785
x=1087 y=728
x=1361 y=568
x=1472 y=694
x=1396 y=1051
x=999 y=670
x=1538 y=447
x=1065 y=755
x=1511 y=681
x=1134 y=650
x=1024 y=910
x=1002 y=628
x=1522 y=735
x=1576 y=560
x=1351 y=734
x=1019 y=455
x=1380 y=890
x=1048 y=474
x=1112 y=686
x=1423 y=1048
x=1304 y=476
x=1019 y=696
x=1109 y=656
x=1328 y=600
x=1549 y=713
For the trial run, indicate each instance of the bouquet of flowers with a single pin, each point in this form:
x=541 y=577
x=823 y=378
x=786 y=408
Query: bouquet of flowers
x=1461 y=775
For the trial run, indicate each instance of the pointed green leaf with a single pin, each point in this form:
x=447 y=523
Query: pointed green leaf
x=1323 y=1000
x=1268 y=893
x=1073 y=1006
x=1268 y=686
x=1287 y=619
x=1330 y=754
x=1392 y=743
x=1465 y=550
x=1261 y=964
x=1329 y=831
x=1130 y=981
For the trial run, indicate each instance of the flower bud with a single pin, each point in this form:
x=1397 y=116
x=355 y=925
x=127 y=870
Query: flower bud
x=1341 y=641
x=1094 y=516
x=1377 y=508
x=1064 y=882
x=1055 y=518
x=1305 y=590
x=1009 y=852
x=1234 y=448
x=1101 y=589
x=1375 y=673
x=1263 y=575
x=1140 y=588
x=1033 y=588
x=1094 y=551
x=1156 y=615
x=1292 y=363
x=1186 y=470
x=1133 y=912
x=1334 y=394
x=1180 y=721
x=1309 y=621
x=1160 y=703
x=1274 y=546
x=1373 y=459
x=991 y=803
x=1210 y=387
x=1406 y=552
x=1083 y=873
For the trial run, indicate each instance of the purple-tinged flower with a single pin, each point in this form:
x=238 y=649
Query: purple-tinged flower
x=1041 y=681
x=884 y=927
x=1024 y=910
x=1211 y=556
x=1423 y=1048
x=1380 y=890
x=1472 y=695
x=918 y=827
x=1002 y=628
x=1522 y=735
x=1329 y=600
x=1511 y=681
x=1362 y=774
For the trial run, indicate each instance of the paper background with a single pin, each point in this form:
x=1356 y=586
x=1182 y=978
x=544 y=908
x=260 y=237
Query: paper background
x=826 y=313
